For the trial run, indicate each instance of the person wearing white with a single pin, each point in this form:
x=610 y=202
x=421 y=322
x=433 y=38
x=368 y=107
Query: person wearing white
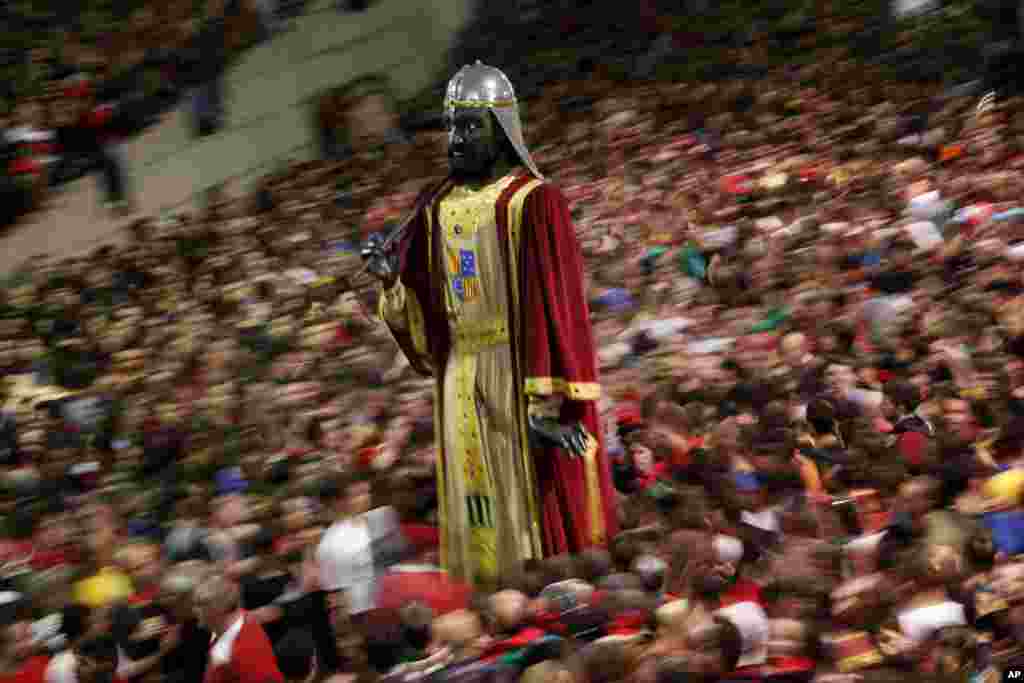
x=353 y=549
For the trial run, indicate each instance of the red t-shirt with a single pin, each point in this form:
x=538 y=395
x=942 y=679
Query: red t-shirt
x=425 y=584
x=741 y=591
x=245 y=657
x=33 y=671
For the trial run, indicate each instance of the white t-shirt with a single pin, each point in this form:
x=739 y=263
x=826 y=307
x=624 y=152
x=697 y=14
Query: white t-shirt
x=752 y=622
x=63 y=668
x=345 y=556
x=921 y=623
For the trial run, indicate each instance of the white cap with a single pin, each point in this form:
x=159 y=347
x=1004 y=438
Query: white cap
x=728 y=548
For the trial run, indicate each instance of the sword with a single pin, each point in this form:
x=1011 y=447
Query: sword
x=397 y=234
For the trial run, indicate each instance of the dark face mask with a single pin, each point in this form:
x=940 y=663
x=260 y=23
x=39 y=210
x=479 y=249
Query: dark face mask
x=473 y=143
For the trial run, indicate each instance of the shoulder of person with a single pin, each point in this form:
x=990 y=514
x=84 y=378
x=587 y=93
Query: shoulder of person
x=382 y=520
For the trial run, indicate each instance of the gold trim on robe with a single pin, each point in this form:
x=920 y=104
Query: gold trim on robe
x=576 y=391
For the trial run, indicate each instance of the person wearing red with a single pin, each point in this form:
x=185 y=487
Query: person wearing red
x=17 y=663
x=484 y=291
x=83 y=136
x=421 y=580
x=240 y=651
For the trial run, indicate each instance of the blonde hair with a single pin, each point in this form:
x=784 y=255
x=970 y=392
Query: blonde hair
x=549 y=671
x=185 y=577
x=218 y=592
x=128 y=555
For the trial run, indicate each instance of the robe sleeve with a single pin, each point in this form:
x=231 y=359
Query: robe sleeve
x=401 y=311
x=404 y=307
x=559 y=352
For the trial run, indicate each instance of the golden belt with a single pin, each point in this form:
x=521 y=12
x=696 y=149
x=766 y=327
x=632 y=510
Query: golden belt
x=477 y=337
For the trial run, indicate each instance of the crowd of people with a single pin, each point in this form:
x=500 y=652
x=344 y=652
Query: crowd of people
x=82 y=89
x=807 y=296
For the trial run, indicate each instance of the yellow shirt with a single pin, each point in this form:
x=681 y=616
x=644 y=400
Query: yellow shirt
x=103 y=588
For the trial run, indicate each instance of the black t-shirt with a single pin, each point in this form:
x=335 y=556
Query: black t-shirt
x=187 y=662
x=138 y=628
x=260 y=591
x=308 y=611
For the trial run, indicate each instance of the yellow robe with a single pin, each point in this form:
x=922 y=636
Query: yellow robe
x=489 y=518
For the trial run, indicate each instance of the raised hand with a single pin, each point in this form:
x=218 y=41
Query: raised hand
x=381 y=262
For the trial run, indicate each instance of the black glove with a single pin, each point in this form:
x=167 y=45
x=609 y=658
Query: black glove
x=548 y=433
x=381 y=262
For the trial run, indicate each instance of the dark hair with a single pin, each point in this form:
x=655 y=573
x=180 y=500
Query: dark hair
x=604 y=662
x=903 y=394
x=333 y=489
x=594 y=563
x=384 y=638
x=821 y=415
x=674 y=670
x=730 y=642
x=315 y=430
x=74 y=622
x=417 y=636
x=262 y=542
x=100 y=647
x=296 y=654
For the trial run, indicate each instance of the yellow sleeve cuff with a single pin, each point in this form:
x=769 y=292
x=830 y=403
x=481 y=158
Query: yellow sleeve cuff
x=574 y=391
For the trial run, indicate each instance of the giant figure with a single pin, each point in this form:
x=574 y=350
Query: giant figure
x=485 y=292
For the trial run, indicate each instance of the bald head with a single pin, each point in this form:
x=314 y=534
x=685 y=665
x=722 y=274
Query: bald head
x=671 y=618
x=508 y=608
x=457 y=630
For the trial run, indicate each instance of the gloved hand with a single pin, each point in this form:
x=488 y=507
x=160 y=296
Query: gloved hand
x=381 y=262
x=549 y=433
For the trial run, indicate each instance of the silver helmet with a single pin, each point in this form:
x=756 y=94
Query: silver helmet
x=481 y=86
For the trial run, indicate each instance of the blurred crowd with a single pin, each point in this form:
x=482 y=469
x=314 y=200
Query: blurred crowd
x=807 y=295
x=87 y=84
